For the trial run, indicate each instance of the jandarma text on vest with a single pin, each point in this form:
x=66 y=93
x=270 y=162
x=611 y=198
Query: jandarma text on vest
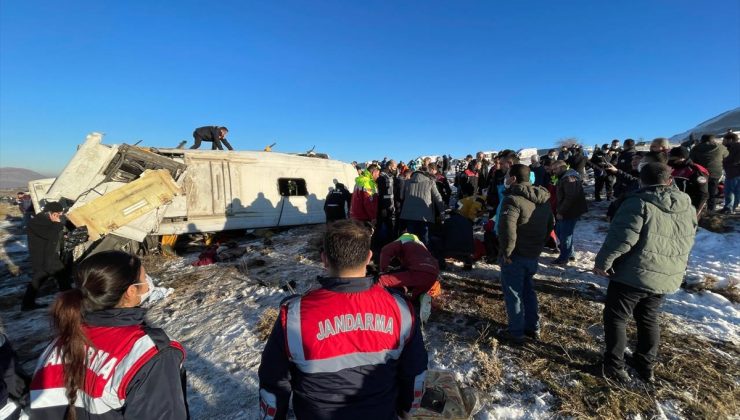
x=98 y=361
x=349 y=322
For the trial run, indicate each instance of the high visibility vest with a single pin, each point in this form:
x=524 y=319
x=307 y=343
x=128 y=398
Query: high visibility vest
x=329 y=331
x=116 y=355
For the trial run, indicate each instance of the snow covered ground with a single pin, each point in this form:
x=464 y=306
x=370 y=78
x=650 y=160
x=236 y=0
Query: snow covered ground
x=215 y=311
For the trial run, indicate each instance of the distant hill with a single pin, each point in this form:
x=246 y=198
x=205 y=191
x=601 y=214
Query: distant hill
x=17 y=178
x=729 y=120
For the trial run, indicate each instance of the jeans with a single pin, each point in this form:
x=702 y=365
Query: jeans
x=623 y=302
x=732 y=193
x=517 y=280
x=564 y=229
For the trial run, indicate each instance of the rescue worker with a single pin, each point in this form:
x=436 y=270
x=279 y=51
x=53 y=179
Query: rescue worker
x=45 y=233
x=212 y=133
x=689 y=177
x=105 y=361
x=407 y=264
x=336 y=201
x=350 y=349
x=364 y=206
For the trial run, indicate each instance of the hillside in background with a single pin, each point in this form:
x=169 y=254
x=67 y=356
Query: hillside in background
x=17 y=177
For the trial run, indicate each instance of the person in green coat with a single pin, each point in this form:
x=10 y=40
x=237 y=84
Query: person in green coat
x=644 y=256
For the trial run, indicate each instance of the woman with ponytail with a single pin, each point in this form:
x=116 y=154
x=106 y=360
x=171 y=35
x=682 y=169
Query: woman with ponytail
x=104 y=361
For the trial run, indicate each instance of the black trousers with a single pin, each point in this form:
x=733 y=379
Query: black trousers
x=623 y=302
x=601 y=182
x=385 y=233
x=38 y=280
x=215 y=143
x=713 y=185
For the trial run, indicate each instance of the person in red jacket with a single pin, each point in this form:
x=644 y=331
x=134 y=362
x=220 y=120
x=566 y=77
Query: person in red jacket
x=364 y=206
x=417 y=268
x=104 y=361
x=350 y=349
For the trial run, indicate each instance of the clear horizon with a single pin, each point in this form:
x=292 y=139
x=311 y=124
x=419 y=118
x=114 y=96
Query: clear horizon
x=359 y=81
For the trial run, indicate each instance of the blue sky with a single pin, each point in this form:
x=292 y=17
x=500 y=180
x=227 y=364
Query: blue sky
x=360 y=79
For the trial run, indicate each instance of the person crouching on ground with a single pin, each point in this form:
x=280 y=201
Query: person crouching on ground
x=407 y=264
x=644 y=256
x=524 y=225
x=350 y=349
x=134 y=371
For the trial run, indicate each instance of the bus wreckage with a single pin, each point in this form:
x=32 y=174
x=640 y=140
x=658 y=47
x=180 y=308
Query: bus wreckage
x=127 y=195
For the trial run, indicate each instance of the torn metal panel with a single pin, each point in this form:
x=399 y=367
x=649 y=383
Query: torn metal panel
x=131 y=161
x=84 y=171
x=124 y=205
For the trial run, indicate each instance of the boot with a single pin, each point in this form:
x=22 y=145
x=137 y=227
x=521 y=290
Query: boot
x=29 y=299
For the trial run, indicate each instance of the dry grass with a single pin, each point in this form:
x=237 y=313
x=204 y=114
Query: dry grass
x=699 y=377
x=714 y=223
x=731 y=291
x=9 y=210
x=266 y=322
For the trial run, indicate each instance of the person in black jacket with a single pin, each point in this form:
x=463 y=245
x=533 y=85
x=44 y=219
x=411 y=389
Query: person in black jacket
x=349 y=349
x=336 y=205
x=689 y=177
x=45 y=232
x=710 y=155
x=385 y=226
x=577 y=161
x=212 y=133
x=105 y=362
x=624 y=164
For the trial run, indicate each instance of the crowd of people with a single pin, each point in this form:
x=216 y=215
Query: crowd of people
x=352 y=347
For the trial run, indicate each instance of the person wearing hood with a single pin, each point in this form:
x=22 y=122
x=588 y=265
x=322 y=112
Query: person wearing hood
x=420 y=200
x=571 y=205
x=644 y=256
x=105 y=362
x=710 y=155
x=45 y=233
x=524 y=225
x=690 y=178
x=364 y=206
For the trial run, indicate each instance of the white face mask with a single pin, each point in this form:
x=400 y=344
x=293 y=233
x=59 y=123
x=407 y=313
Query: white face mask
x=507 y=182
x=148 y=293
